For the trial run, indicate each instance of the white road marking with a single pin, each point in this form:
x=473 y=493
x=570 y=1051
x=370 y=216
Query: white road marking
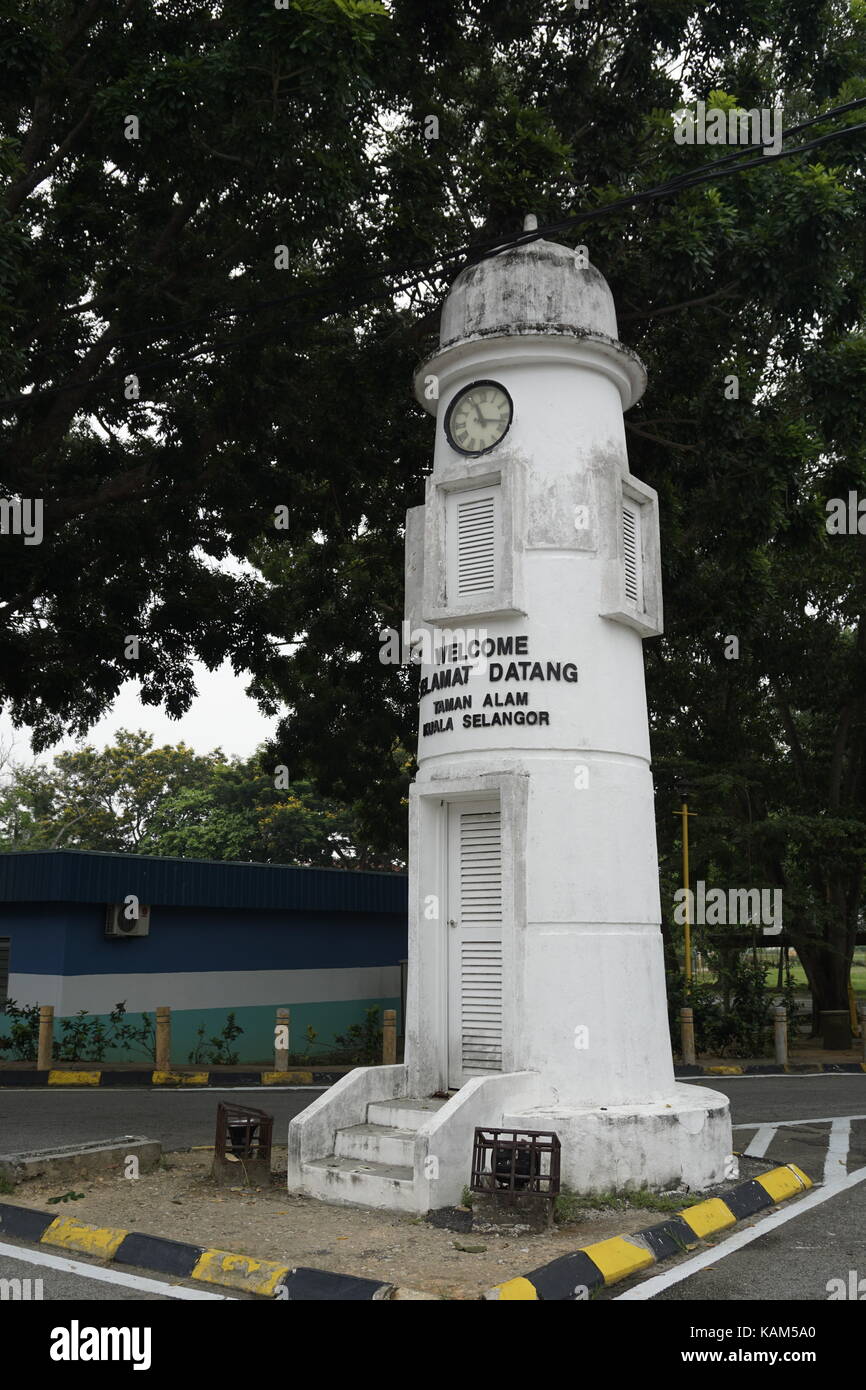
x=761 y=1142
x=650 y=1287
x=837 y=1149
x=106 y=1276
x=811 y=1120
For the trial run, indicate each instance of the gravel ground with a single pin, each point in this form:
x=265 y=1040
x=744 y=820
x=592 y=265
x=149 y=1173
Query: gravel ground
x=181 y=1201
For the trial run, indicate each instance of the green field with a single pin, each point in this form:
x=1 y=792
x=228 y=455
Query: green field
x=858 y=977
x=798 y=975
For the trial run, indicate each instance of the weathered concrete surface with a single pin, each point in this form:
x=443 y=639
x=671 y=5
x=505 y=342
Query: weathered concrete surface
x=81 y=1160
x=538 y=287
x=512 y=1211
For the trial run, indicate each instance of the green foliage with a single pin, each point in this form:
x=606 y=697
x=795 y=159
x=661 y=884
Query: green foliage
x=133 y=798
x=732 y=1014
x=217 y=1050
x=66 y=1197
x=262 y=387
x=362 y=1043
x=82 y=1038
x=22 y=1039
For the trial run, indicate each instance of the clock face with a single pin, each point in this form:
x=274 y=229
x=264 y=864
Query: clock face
x=479 y=417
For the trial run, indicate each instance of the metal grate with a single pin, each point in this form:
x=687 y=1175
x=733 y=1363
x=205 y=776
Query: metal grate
x=515 y=1160
x=243 y=1133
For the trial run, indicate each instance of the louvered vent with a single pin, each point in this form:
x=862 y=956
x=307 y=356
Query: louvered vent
x=473 y=542
x=631 y=551
x=481 y=947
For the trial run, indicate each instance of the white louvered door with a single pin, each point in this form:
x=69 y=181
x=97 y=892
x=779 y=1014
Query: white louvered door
x=474 y=928
x=473 y=527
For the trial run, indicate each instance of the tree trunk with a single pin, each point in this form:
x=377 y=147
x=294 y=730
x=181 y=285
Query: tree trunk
x=672 y=965
x=828 y=970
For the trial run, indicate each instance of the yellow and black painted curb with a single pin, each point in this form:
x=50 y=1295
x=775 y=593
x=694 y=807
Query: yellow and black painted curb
x=582 y=1274
x=60 y=1076
x=772 y=1069
x=574 y=1277
x=315 y=1076
x=266 y=1278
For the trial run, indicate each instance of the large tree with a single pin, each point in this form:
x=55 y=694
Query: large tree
x=309 y=127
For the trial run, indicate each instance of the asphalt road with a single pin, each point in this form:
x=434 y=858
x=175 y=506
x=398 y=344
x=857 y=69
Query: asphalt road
x=41 y=1118
x=813 y=1247
x=46 y=1117
x=759 y=1098
x=53 y=1276
x=792 y=1255
x=795 y=1261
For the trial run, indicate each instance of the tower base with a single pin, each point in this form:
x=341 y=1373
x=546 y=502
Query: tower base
x=374 y=1140
x=684 y=1141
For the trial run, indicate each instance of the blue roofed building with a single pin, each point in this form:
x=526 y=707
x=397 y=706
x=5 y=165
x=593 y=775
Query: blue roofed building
x=210 y=937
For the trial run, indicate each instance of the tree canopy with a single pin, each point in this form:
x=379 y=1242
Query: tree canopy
x=133 y=798
x=262 y=254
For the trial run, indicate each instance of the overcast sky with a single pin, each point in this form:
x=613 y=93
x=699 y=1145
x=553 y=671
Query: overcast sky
x=222 y=716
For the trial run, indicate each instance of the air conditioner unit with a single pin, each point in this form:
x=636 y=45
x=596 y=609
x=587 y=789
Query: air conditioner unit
x=119 y=920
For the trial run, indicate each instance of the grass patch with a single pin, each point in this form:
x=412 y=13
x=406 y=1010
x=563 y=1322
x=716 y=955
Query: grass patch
x=571 y=1206
x=6 y=1187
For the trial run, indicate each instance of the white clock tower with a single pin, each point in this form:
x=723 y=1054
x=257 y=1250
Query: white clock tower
x=536 y=982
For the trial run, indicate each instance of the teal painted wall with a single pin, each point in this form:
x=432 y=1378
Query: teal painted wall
x=256 y=1043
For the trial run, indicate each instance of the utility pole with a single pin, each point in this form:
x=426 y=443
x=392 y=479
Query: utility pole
x=684 y=813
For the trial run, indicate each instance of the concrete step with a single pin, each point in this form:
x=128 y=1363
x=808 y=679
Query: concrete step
x=337 y=1179
x=376 y=1144
x=410 y=1113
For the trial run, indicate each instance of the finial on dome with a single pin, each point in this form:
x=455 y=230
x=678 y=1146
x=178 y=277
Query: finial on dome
x=530 y=222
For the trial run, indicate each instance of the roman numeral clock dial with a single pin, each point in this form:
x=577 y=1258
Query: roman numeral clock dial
x=479 y=418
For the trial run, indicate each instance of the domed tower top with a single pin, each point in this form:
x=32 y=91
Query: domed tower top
x=539 y=298
x=540 y=287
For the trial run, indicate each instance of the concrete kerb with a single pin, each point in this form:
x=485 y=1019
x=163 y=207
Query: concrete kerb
x=260 y=1078
x=245 y=1273
x=575 y=1277
x=246 y=1080
x=579 y=1276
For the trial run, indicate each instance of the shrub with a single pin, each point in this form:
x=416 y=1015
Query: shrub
x=217 y=1050
x=82 y=1038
